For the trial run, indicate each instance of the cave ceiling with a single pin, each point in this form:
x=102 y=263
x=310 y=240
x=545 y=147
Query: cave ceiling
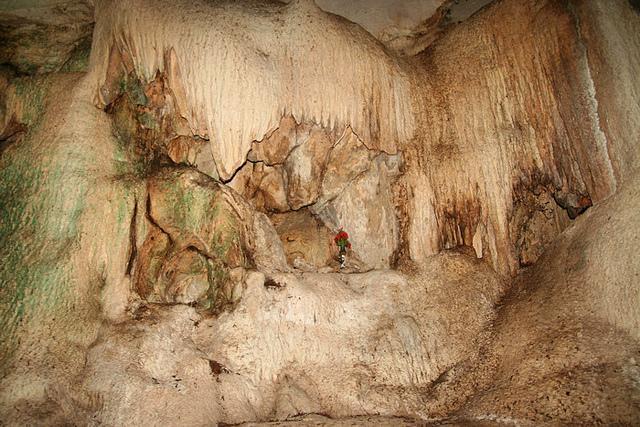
x=39 y=36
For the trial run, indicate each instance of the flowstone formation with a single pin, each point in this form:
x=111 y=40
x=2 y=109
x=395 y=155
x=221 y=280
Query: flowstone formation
x=169 y=211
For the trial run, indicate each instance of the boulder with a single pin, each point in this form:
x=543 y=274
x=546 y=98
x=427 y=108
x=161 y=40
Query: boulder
x=199 y=231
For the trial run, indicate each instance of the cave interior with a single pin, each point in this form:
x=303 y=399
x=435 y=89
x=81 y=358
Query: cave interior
x=175 y=176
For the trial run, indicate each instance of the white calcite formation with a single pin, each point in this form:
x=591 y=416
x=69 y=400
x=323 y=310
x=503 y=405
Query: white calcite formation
x=253 y=66
x=283 y=350
x=510 y=114
x=167 y=220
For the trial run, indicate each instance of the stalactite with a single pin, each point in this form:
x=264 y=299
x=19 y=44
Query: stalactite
x=236 y=74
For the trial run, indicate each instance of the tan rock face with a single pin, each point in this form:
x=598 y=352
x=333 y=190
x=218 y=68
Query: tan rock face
x=169 y=368
x=304 y=167
x=275 y=147
x=405 y=26
x=304 y=237
x=536 y=217
x=341 y=181
x=365 y=208
x=609 y=34
x=273 y=189
x=265 y=358
x=285 y=170
x=137 y=289
x=348 y=159
x=64 y=239
x=269 y=256
x=560 y=332
x=264 y=185
x=199 y=237
x=521 y=113
x=186 y=150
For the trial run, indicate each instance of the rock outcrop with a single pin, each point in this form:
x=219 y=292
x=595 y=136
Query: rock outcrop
x=167 y=220
x=234 y=106
x=280 y=352
x=567 y=334
x=528 y=118
x=340 y=181
x=66 y=213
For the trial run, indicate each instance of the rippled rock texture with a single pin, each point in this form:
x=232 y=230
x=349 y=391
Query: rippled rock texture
x=168 y=215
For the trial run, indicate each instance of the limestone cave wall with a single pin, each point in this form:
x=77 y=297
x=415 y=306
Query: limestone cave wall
x=253 y=69
x=522 y=121
x=167 y=217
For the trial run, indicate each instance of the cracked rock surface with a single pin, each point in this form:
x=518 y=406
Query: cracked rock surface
x=168 y=210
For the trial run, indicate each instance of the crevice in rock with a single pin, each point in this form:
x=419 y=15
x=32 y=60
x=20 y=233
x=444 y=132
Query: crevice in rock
x=132 y=238
x=401 y=254
x=217 y=368
x=153 y=221
x=12 y=134
x=574 y=203
x=271 y=283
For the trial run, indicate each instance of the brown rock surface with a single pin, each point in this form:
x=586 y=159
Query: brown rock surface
x=365 y=209
x=136 y=289
x=198 y=232
x=273 y=190
x=185 y=150
x=565 y=348
x=304 y=237
x=275 y=147
x=343 y=183
x=265 y=186
x=523 y=111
